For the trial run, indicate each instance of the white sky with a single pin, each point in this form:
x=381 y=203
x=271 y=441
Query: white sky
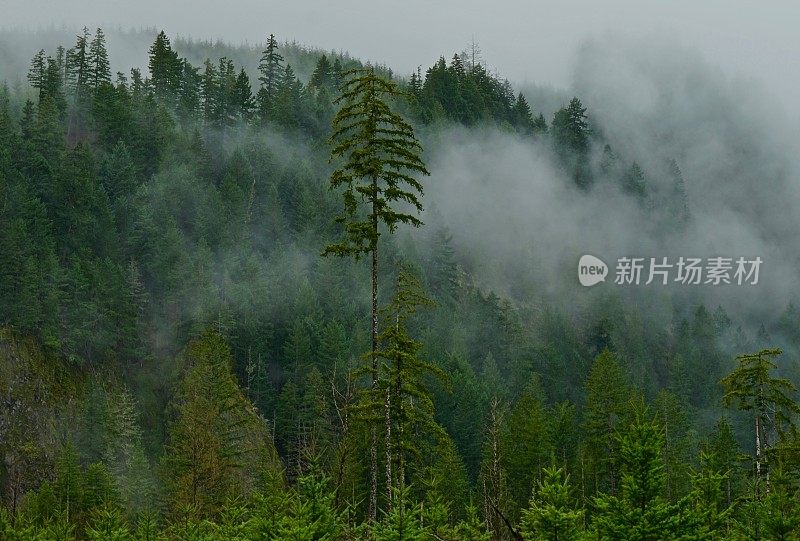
x=524 y=40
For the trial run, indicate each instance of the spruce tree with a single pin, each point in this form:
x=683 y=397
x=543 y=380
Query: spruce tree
x=99 y=67
x=402 y=392
x=539 y=125
x=165 y=69
x=523 y=117
x=402 y=522
x=570 y=133
x=78 y=72
x=190 y=92
x=287 y=106
x=679 y=201
x=679 y=445
x=472 y=528
x=640 y=512
x=377 y=154
x=36 y=72
x=271 y=70
x=243 y=96
x=77 y=66
x=633 y=182
x=311 y=515
x=710 y=509
x=322 y=77
x=607 y=394
x=525 y=441
x=782 y=519
x=210 y=92
x=752 y=387
x=108 y=524
x=722 y=454
x=552 y=514
x=217 y=444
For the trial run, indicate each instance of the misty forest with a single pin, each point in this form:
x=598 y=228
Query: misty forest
x=275 y=292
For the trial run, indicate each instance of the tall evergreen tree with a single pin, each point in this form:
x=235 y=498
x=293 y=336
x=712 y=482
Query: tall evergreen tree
x=607 y=394
x=722 y=454
x=378 y=153
x=271 y=70
x=36 y=72
x=78 y=74
x=243 y=96
x=78 y=67
x=523 y=118
x=218 y=446
x=570 y=133
x=640 y=512
x=322 y=77
x=679 y=201
x=190 y=92
x=165 y=69
x=526 y=446
x=99 y=67
x=403 y=394
x=752 y=387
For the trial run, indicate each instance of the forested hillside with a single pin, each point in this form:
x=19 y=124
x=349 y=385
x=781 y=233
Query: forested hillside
x=239 y=299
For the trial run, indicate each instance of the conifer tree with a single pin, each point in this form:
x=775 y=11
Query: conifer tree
x=99 y=67
x=782 y=517
x=68 y=487
x=403 y=394
x=634 y=182
x=271 y=70
x=679 y=201
x=523 y=116
x=401 y=522
x=100 y=489
x=640 y=511
x=606 y=403
x=78 y=75
x=337 y=72
x=78 y=67
x=526 y=447
x=287 y=105
x=678 y=444
x=415 y=84
x=210 y=92
x=243 y=96
x=190 y=92
x=108 y=524
x=570 y=133
x=218 y=444
x=36 y=72
x=311 y=516
x=539 y=125
x=752 y=387
x=711 y=512
x=165 y=69
x=552 y=514
x=493 y=478
x=722 y=454
x=472 y=528
x=377 y=154
x=322 y=77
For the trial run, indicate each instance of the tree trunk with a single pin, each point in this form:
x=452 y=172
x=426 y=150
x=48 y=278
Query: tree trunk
x=373 y=496
x=388 y=443
x=758 y=450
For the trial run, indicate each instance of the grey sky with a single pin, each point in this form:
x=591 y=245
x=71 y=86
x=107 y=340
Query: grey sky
x=530 y=41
